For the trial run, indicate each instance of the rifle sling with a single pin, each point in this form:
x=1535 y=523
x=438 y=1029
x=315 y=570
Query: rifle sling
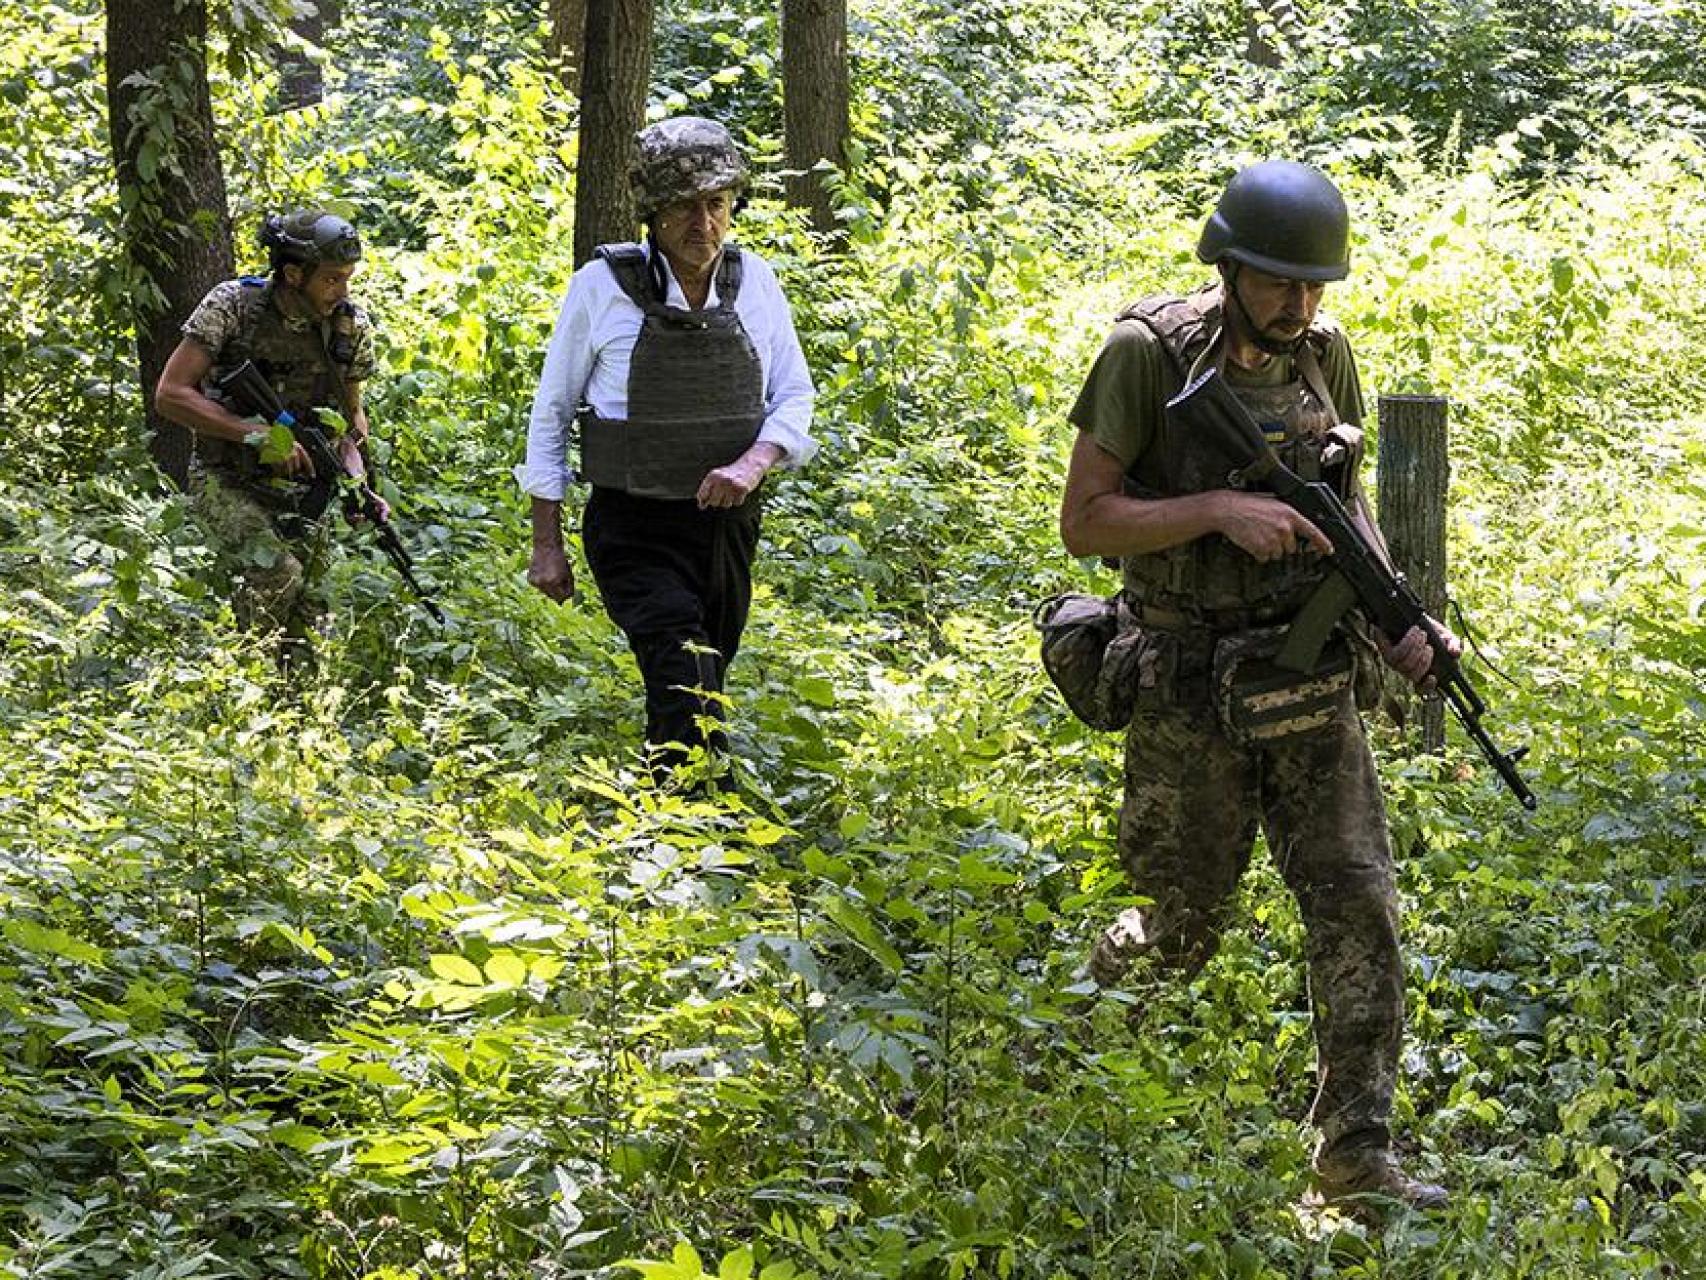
x=1314 y=623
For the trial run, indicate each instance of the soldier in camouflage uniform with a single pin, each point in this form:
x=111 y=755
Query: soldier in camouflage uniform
x=677 y=362
x=315 y=347
x=1213 y=576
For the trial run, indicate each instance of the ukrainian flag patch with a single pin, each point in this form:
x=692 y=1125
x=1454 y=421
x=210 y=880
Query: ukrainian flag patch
x=1273 y=432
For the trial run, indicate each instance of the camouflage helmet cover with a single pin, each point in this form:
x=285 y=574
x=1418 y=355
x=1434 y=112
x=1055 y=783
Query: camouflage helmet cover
x=310 y=237
x=1285 y=218
x=681 y=158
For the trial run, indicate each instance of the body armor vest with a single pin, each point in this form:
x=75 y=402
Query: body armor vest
x=695 y=387
x=1210 y=580
x=298 y=362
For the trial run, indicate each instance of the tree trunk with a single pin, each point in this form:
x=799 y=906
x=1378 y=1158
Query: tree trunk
x=1414 y=470
x=814 y=102
x=568 y=40
x=301 y=80
x=177 y=227
x=1272 y=27
x=613 y=110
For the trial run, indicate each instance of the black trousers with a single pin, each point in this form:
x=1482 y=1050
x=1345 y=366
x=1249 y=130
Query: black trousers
x=678 y=582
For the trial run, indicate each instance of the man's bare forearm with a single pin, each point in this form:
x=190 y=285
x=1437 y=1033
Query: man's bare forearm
x=547 y=524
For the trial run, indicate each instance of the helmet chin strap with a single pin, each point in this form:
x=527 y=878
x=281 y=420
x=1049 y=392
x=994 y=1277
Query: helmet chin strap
x=1272 y=346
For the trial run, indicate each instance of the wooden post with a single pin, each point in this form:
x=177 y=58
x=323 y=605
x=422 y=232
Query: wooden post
x=1414 y=470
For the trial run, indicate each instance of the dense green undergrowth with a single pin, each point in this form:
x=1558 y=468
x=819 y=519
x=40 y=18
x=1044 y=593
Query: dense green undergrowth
x=400 y=972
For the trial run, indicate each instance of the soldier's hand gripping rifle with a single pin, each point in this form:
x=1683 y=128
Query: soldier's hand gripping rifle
x=1209 y=409
x=250 y=393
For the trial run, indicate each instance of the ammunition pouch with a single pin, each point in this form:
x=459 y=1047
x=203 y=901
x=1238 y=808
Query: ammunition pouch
x=1104 y=664
x=1259 y=702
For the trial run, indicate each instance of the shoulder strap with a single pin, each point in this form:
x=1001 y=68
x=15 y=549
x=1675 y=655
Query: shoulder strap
x=627 y=262
x=1309 y=366
x=252 y=299
x=730 y=272
x=1185 y=326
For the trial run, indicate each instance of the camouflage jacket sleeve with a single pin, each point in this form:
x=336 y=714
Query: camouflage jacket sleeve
x=362 y=362
x=217 y=318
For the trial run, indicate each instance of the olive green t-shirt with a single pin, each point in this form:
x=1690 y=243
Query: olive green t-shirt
x=1129 y=385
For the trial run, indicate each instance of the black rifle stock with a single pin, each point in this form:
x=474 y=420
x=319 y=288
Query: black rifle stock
x=253 y=394
x=1209 y=408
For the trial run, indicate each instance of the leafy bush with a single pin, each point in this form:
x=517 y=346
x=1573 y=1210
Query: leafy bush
x=404 y=973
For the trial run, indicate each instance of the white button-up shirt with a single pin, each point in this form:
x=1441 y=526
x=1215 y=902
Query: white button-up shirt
x=590 y=352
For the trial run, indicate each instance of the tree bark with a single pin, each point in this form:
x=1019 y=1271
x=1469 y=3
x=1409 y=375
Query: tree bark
x=1271 y=28
x=568 y=40
x=301 y=79
x=177 y=226
x=613 y=110
x=1414 y=471
x=814 y=102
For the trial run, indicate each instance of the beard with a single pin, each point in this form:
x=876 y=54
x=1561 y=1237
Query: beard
x=1276 y=346
x=1264 y=338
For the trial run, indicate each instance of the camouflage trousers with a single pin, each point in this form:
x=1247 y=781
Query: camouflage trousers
x=1193 y=803
x=277 y=581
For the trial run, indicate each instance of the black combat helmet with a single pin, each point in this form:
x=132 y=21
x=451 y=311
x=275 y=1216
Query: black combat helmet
x=1284 y=218
x=310 y=237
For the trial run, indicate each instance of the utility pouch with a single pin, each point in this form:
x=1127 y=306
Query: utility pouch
x=1369 y=681
x=1259 y=702
x=1100 y=659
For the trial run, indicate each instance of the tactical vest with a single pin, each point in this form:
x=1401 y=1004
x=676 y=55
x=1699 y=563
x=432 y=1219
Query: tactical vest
x=695 y=387
x=1210 y=581
x=297 y=362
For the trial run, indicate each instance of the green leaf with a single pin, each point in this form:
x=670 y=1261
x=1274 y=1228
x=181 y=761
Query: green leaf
x=684 y=1264
x=45 y=941
x=382 y=1074
x=764 y=833
x=454 y=968
x=506 y=969
x=545 y=968
x=275 y=443
x=333 y=422
x=296 y=1136
x=974 y=872
x=392 y=1152
x=736 y=1265
x=863 y=930
x=816 y=690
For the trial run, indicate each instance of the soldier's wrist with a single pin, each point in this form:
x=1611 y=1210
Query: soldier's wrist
x=1215 y=507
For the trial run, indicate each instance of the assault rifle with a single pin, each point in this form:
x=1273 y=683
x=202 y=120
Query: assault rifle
x=1209 y=409
x=250 y=393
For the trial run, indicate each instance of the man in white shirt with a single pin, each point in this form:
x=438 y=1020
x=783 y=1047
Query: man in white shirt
x=679 y=362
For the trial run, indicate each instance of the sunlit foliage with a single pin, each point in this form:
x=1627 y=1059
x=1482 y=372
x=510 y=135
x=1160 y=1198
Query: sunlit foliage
x=401 y=973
